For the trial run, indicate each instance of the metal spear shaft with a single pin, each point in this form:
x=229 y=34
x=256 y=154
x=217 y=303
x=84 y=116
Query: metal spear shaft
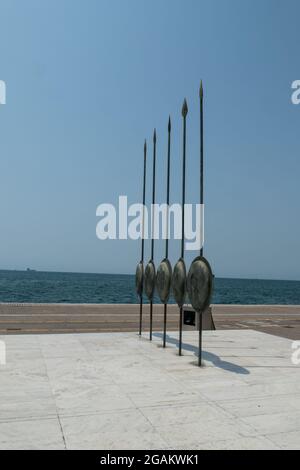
x=152 y=236
x=201 y=202
x=143 y=233
x=184 y=114
x=201 y=155
x=167 y=224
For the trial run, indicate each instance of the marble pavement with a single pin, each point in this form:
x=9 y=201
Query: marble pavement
x=119 y=391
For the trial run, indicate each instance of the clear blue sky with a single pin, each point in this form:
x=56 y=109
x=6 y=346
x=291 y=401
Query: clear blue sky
x=88 y=80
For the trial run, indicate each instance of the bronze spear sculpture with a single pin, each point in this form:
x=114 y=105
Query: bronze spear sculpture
x=139 y=274
x=164 y=272
x=200 y=276
x=179 y=273
x=150 y=268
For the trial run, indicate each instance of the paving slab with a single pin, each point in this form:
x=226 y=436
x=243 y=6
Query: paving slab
x=36 y=434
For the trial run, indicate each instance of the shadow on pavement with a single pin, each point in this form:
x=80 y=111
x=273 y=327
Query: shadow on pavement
x=207 y=356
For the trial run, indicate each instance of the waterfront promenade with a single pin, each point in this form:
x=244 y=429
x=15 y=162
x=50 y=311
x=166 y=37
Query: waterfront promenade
x=67 y=318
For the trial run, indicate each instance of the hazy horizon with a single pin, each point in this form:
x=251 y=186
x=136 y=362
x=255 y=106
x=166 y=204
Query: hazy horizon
x=133 y=274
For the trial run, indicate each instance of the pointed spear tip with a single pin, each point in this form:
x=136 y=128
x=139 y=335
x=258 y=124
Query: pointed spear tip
x=145 y=145
x=184 y=110
x=154 y=135
x=169 y=124
x=201 y=90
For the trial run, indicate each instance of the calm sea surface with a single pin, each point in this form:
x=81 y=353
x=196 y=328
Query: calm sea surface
x=33 y=286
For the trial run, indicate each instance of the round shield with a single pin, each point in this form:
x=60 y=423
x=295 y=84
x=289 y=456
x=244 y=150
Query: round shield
x=139 y=275
x=179 y=282
x=163 y=280
x=150 y=280
x=200 y=284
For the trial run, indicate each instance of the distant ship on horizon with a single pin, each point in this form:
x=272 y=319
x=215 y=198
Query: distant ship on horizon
x=31 y=270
